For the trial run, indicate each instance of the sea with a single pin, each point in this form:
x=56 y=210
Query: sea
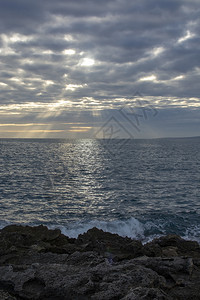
x=137 y=188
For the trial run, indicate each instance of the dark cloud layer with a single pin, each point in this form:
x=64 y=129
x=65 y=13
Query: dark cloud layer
x=94 y=55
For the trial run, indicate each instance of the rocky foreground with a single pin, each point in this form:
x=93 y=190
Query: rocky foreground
x=38 y=263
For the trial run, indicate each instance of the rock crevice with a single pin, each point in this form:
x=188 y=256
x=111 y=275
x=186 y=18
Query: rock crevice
x=38 y=263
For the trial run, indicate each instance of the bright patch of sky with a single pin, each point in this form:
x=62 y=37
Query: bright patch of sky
x=83 y=60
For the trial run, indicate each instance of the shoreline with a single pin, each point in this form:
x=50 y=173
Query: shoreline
x=132 y=228
x=41 y=263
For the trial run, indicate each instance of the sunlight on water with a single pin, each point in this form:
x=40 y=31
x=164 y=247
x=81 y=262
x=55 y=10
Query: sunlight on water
x=80 y=183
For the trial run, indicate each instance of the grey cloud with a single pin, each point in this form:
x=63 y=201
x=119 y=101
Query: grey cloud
x=119 y=35
x=20 y=15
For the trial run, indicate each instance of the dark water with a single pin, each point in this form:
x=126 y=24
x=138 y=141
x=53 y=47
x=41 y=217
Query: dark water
x=139 y=188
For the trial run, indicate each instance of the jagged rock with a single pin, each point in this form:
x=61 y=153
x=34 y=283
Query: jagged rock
x=41 y=264
x=93 y=278
x=30 y=234
x=172 y=245
x=6 y=296
x=15 y=238
x=113 y=246
x=146 y=294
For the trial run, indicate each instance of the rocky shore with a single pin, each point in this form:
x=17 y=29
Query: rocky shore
x=38 y=263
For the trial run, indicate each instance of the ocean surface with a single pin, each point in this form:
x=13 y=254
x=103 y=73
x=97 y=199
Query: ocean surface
x=137 y=188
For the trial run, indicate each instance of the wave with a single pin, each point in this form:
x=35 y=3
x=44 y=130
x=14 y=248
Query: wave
x=132 y=228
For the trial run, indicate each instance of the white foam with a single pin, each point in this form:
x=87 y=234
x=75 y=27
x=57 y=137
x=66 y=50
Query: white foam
x=4 y=224
x=192 y=233
x=131 y=228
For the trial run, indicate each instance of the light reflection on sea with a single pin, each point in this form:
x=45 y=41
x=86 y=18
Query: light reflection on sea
x=72 y=182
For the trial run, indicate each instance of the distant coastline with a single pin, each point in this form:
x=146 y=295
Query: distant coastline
x=72 y=139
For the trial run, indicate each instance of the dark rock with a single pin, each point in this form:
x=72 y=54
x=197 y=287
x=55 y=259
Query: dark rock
x=6 y=296
x=94 y=279
x=172 y=245
x=15 y=238
x=41 y=264
x=33 y=288
x=146 y=294
x=112 y=246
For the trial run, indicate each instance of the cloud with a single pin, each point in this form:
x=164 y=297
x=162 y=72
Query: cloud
x=91 y=53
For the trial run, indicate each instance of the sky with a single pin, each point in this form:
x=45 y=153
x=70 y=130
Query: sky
x=99 y=69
